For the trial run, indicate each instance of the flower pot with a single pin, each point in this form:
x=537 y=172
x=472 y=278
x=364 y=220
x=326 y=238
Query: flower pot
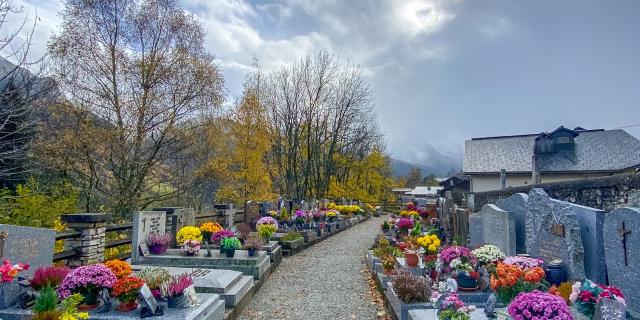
x=251 y=252
x=412 y=259
x=190 y=254
x=127 y=306
x=89 y=301
x=158 y=249
x=222 y=250
x=466 y=281
x=177 y=301
x=556 y=274
x=230 y=252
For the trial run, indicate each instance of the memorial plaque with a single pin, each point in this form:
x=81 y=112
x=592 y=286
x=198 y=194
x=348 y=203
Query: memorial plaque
x=144 y=224
x=147 y=298
x=622 y=252
x=544 y=239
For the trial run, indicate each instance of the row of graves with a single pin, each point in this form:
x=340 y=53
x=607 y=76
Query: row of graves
x=177 y=270
x=529 y=257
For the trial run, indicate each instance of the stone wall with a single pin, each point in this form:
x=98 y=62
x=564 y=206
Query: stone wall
x=605 y=193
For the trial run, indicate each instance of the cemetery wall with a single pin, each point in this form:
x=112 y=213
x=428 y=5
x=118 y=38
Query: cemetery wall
x=605 y=193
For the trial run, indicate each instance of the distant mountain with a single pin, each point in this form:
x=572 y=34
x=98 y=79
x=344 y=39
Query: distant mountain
x=440 y=166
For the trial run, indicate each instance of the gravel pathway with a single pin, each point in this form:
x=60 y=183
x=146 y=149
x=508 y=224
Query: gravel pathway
x=326 y=281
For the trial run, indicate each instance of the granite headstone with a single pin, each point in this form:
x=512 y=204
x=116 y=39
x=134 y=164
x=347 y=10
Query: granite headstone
x=517 y=206
x=144 y=224
x=553 y=232
x=622 y=251
x=24 y=245
x=499 y=228
x=476 y=236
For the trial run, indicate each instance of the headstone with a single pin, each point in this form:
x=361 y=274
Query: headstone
x=499 y=228
x=553 y=232
x=421 y=202
x=608 y=309
x=591 y=222
x=24 y=245
x=622 y=251
x=476 y=236
x=251 y=212
x=633 y=199
x=517 y=206
x=144 y=224
x=27 y=245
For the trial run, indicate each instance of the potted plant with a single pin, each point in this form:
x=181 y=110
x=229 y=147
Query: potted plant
x=126 y=291
x=526 y=305
x=191 y=247
x=252 y=244
x=158 y=242
x=45 y=307
x=404 y=224
x=585 y=296
x=174 y=290
x=87 y=281
x=8 y=272
x=48 y=277
x=120 y=268
x=265 y=231
x=230 y=245
x=300 y=215
x=488 y=254
x=154 y=277
x=451 y=307
x=208 y=229
x=510 y=280
x=218 y=236
x=332 y=215
x=388 y=263
x=188 y=233
x=410 y=288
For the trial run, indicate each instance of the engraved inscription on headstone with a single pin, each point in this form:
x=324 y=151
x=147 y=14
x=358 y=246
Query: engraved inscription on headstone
x=144 y=224
x=3 y=237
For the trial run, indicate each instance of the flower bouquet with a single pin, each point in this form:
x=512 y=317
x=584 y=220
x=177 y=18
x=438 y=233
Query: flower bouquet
x=119 y=268
x=318 y=215
x=158 y=242
x=87 y=281
x=430 y=243
x=267 y=220
x=8 y=272
x=451 y=307
x=188 y=233
x=174 y=290
x=48 y=277
x=331 y=215
x=523 y=262
x=404 y=224
x=300 y=215
x=488 y=254
x=154 y=277
x=191 y=247
x=461 y=262
x=510 y=280
x=538 y=305
x=126 y=291
x=208 y=229
x=224 y=233
x=584 y=296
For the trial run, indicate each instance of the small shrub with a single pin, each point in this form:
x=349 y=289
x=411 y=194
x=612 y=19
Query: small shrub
x=410 y=288
x=47 y=300
x=292 y=236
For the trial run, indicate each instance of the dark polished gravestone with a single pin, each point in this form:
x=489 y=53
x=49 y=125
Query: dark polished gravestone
x=553 y=232
x=517 y=206
x=622 y=251
x=25 y=245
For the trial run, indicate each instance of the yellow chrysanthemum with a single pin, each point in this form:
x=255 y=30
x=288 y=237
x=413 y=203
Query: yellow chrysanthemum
x=188 y=233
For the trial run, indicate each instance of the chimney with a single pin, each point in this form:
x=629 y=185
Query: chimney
x=535 y=171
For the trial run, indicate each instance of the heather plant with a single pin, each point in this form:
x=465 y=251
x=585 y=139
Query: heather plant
x=410 y=288
x=253 y=242
x=159 y=239
x=243 y=231
x=48 y=277
x=154 y=276
x=176 y=286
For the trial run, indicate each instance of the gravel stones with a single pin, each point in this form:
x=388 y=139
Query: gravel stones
x=322 y=282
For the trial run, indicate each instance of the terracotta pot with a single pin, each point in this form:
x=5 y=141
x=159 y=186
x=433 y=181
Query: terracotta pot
x=412 y=259
x=127 y=306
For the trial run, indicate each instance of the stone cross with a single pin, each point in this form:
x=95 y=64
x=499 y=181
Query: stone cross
x=623 y=233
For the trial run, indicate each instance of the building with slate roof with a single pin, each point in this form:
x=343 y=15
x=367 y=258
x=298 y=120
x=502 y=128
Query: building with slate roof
x=563 y=154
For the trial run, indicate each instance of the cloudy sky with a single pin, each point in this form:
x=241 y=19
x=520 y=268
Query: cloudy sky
x=443 y=71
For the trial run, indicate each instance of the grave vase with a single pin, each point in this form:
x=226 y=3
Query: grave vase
x=158 y=249
x=177 y=301
x=412 y=259
x=230 y=252
x=251 y=252
x=556 y=274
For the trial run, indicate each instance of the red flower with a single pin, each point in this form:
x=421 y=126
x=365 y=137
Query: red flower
x=474 y=274
x=585 y=296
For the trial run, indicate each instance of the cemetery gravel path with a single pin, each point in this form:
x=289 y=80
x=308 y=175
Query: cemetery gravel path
x=325 y=281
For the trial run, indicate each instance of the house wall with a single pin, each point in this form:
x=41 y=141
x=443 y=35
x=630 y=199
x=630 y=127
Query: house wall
x=605 y=193
x=483 y=183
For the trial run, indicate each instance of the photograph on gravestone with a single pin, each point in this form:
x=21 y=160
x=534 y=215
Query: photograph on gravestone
x=144 y=249
x=147 y=299
x=542 y=239
x=622 y=254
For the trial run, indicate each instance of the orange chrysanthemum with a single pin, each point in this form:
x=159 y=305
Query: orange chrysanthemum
x=120 y=268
